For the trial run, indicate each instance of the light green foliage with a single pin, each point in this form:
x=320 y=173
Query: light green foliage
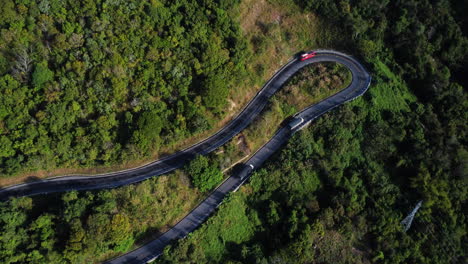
x=41 y=75
x=9 y=15
x=232 y=225
x=389 y=90
x=72 y=70
x=204 y=175
x=13 y=231
x=6 y=147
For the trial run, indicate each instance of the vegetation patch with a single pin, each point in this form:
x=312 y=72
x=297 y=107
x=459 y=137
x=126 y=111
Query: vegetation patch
x=205 y=175
x=90 y=227
x=310 y=85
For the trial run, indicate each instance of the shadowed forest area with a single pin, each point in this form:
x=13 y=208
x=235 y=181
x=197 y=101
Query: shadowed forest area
x=77 y=92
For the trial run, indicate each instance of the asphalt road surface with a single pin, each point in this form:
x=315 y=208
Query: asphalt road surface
x=359 y=85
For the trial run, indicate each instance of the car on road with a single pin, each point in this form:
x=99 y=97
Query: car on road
x=307 y=55
x=245 y=171
x=295 y=122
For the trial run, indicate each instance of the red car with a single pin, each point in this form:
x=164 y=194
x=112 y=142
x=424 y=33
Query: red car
x=307 y=56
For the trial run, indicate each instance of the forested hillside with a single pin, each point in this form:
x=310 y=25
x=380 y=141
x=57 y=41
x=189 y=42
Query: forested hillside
x=335 y=194
x=339 y=190
x=89 y=227
x=88 y=83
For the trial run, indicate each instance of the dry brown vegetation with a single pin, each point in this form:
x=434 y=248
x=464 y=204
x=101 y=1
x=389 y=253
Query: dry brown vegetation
x=311 y=85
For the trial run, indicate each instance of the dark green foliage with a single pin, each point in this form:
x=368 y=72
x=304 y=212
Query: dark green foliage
x=422 y=37
x=205 y=176
x=71 y=72
x=146 y=137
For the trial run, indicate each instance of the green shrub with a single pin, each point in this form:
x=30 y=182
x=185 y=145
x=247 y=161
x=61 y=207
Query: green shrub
x=204 y=176
x=41 y=75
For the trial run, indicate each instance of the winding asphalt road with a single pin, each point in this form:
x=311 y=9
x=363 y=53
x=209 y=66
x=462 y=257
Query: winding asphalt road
x=359 y=85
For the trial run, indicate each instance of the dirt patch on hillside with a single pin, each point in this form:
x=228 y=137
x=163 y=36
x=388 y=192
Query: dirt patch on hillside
x=251 y=10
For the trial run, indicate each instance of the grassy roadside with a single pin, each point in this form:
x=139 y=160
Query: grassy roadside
x=311 y=85
x=152 y=208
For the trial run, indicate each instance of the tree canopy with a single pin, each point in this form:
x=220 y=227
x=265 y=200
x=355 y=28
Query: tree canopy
x=204 y=175
x=89 y=83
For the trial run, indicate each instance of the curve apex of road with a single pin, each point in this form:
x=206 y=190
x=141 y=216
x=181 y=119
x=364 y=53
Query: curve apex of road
x=361 y=80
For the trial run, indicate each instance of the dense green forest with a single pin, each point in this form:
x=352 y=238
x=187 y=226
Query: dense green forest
x=335 y=194
x=86 y=83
